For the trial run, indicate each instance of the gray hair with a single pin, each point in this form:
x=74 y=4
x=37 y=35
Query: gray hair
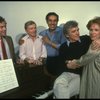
x=68 y=25
x=28 y=23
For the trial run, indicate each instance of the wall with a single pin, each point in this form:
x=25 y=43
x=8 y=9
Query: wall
x=17 y=13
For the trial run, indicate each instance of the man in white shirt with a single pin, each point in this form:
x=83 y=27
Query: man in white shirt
x=32 y=49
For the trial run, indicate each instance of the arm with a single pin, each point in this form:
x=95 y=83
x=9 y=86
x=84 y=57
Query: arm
x=87 y=58
x=90 y=56
x=11 y=47
x=47 y=41
x=22 y=51
x=43 y=51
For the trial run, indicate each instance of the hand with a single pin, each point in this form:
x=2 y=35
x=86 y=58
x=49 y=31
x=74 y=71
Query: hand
x=46 y=40
x=72 y=64
x=21 y=41
x=20 y=61
x=38 y=62
x=95 y=45
x=29 y=61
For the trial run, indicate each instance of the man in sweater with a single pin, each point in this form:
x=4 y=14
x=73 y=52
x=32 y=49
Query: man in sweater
x=67 y=84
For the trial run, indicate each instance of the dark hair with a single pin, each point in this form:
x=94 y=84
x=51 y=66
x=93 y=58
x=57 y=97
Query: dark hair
x=68 y=25
x=51 y=14
x=29 y=23
x=95 y=20
x=2 y=19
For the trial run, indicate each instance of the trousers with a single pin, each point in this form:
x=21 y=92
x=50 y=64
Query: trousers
x=66 y=85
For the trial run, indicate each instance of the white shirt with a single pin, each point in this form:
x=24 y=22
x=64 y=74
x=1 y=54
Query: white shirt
x=7 y=50
x=1 y=55
x=32 y=49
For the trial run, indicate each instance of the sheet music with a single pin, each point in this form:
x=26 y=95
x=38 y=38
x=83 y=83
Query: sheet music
x=8 y=79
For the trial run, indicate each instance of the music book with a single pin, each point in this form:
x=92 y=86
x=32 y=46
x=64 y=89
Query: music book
x=8 y=79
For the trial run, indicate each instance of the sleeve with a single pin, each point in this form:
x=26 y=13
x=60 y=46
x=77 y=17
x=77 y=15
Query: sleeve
x=44 y=51
x=87 y=58
x=62 y=40
x=12 y=50
x=22 y=51
x=42 y=33
x=58 y=46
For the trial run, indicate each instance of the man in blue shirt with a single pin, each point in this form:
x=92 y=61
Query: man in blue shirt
x=53 y=37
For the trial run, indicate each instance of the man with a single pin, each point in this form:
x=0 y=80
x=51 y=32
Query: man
x=32 y=49
x=67 y=84
x=6 y=43
x=52 y=38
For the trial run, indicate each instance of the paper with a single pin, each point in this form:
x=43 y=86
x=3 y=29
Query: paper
x=8 y=79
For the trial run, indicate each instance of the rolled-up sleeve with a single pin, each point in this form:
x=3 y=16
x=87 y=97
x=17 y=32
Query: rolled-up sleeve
x=58 y=46
x=44 y=51
x=22 y=52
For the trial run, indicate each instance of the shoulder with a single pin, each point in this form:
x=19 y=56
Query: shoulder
x=39 y=37
x=43 y=32
x=8 y=38
x=85 y=37
x=23 y=39
x=59 y=29
x=63 y=45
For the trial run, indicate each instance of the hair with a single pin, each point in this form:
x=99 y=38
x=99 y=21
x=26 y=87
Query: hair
x=52 y=14
x=2 y=19
x=29 y=23
x=68 y=25
x=95 y=20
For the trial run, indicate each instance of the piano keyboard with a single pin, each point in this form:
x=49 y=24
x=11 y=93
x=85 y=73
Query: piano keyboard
x=44 y=95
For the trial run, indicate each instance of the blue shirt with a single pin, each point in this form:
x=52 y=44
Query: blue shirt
x=57 y=38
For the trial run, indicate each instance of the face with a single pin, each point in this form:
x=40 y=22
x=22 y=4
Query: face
x=94 y=32
x=74 y=34
x=52 y=22
x=31 y=30
x=3 y=29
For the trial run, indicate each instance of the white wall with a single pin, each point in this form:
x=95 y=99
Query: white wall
x=17 y=13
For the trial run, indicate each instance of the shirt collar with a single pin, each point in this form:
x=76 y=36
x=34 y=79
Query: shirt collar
x=68 y=42
x=56 y=30
x=27 y=36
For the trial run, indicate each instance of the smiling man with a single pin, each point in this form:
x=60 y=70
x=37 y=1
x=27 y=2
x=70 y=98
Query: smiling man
x=53 y=37
x=32 y=49
x=6 y=42
x=67 y=84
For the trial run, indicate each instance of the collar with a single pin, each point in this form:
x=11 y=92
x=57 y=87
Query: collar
x=56 y=30
x=27 y=36
x=68 y=42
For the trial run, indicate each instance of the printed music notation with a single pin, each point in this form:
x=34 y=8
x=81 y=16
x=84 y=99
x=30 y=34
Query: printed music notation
x=8 y=79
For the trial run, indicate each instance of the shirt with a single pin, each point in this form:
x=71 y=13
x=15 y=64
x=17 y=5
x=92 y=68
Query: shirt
x=32 y=49
x=7 y=50
x=73 y=51
x=57 y=38
x=68 y=42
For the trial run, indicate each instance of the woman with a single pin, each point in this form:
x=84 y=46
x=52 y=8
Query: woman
x=90 y=81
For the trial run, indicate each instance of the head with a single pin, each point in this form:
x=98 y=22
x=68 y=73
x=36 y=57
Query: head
x=71 y=31
x=30 y=28
x=94 y=28
x=52 y=20
x=2 y=26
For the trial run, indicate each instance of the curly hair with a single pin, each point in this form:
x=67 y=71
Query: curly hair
x=95 y=20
